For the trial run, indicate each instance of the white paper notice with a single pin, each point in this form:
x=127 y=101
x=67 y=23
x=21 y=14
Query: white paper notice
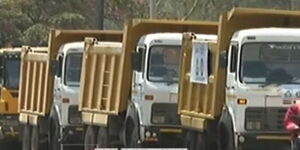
x=199 y=65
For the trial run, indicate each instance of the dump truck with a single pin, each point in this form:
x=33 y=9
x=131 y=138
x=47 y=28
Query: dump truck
x=49 y=87
x=238 y=94
x=9 y=80
x=128 y=94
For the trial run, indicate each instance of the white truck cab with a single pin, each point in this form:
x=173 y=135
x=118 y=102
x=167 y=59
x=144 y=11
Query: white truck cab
x=262 y=82
x=65 y=117
x=155 y=87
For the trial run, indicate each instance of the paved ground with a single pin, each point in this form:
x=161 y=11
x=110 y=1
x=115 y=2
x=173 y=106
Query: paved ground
x=10 y=144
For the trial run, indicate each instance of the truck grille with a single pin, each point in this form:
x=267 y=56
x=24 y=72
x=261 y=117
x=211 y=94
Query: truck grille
x=166 y=110
x=266 y=119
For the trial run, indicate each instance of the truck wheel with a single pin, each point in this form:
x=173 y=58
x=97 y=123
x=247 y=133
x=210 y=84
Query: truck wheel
x=201 y=141
x=26 y=137
x=225 y=133
x=54 y=134
x=38 y=140
x=190 y=141
x=103 y=138
x=132 y=134
x=35 y=143
x=90 y=138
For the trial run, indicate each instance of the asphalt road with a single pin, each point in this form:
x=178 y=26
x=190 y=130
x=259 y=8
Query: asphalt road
x=10 y=144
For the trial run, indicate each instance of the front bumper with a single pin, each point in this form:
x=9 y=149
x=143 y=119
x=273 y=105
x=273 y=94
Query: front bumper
x=9 y=126
x=263 y=141
x=166 y=135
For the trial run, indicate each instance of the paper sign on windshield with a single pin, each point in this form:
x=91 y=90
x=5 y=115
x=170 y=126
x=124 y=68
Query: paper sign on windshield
x=199 y=66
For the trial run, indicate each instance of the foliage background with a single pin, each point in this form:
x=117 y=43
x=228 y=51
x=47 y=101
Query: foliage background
x=27 y=22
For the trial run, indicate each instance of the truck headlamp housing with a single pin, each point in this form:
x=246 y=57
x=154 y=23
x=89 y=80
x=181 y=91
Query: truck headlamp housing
x=74 y=115
x=158 y=119
x=74 y=119
x=253 y=125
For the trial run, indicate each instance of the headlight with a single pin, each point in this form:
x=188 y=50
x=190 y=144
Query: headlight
x=158 y=119
x=253 y=125
x=75 y=119
x=74 y=115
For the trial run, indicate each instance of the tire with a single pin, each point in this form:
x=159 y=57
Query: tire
x=103 y=140
x=132 y=134
x=90 y=138
x=201 y=142
x=26 y=138
x=190 y=140
x=225 y=133
x=38 y=141
x=54 y=134
x=35 y=143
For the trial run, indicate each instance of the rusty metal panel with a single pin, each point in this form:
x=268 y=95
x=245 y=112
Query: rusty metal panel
x=36 y=81
x=100 y=77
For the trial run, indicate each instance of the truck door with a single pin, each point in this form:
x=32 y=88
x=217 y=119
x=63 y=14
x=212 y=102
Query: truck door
x=231 y=72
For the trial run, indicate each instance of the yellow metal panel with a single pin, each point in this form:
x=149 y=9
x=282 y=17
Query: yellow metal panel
x=191 y=122
x=87 y=118
x=274 y=137
x=97 y=78
x=100 y=119
x=198 y=100
x=23 y=118
x=8 y=103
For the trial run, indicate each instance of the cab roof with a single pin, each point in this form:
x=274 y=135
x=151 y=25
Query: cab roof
x=172 y=36
x=267 y=32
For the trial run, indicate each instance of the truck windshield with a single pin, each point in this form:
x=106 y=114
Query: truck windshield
x=270 y=63
x=164 y=63
x=12 y=73
x=73 y=69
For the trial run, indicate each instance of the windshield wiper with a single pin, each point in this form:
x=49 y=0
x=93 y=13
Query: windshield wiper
x=279 y=82
x=170 y=82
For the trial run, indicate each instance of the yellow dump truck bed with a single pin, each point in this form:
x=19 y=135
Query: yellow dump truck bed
x=101 y=79
x=36 y=83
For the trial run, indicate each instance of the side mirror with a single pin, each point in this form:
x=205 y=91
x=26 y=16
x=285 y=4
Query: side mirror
x=54 y=67
x=223 y=59
x=57 y=66
x=137 y=61
x=137 y=58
